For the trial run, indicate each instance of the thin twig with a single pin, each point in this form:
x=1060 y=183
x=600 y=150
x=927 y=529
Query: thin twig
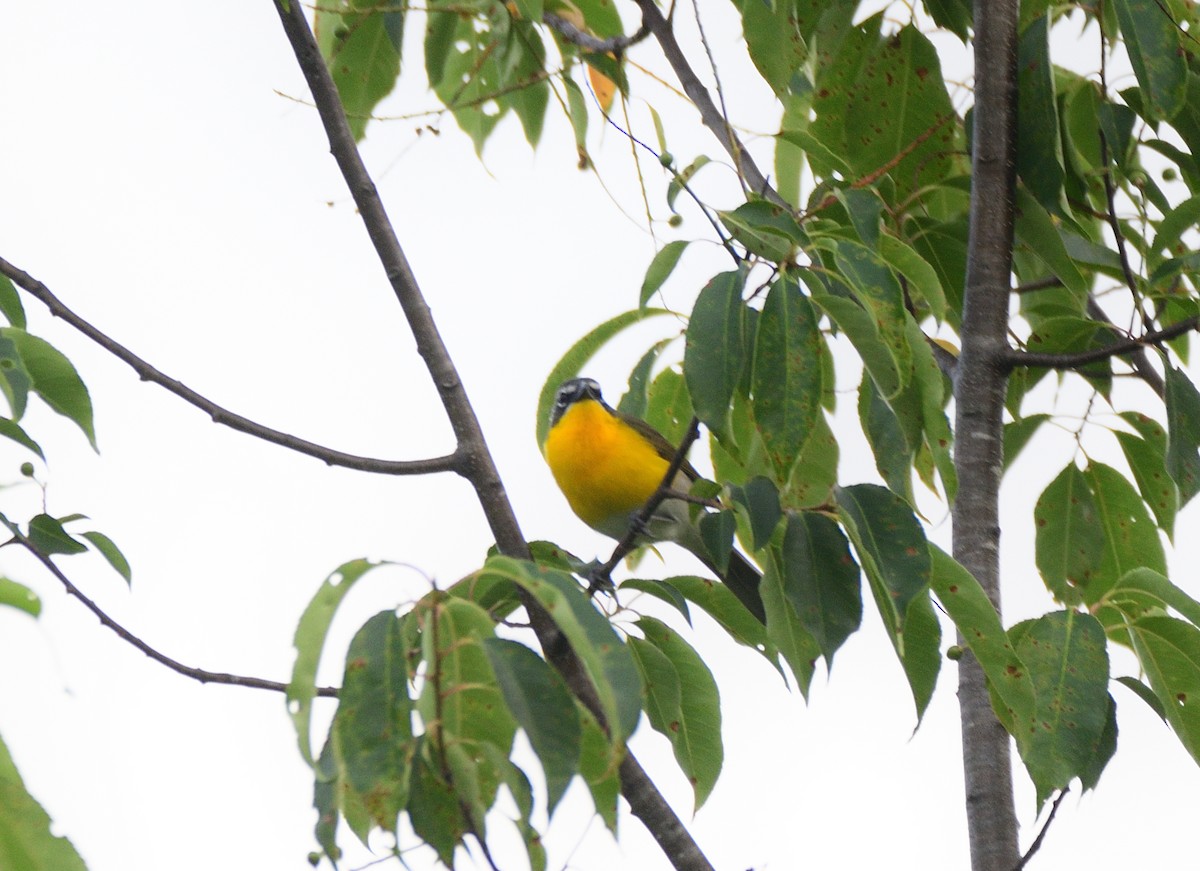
x=1013 y=358
x=716 y=74
x=710 y=115
x=38 y=290
x=1110 y=197
x=199 y=674
x=1037 y=842
x=1137 y=359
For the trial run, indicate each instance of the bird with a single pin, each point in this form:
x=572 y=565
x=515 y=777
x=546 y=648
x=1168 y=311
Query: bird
x=608 y=465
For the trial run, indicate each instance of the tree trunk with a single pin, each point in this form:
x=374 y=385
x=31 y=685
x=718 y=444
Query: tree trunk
x=979 y=405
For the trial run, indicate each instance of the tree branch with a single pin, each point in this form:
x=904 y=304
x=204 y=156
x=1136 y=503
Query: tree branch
x=1138 y=359
x=38 y=290
x=710 y=115
x=585 y=40
x=477 y=464
x=124 y=634
x=1125 y=346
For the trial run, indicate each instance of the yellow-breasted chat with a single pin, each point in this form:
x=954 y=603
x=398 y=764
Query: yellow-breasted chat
x=609 y=464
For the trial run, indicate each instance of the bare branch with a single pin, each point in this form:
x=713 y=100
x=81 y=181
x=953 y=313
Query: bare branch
x=1037 y=842
x=124 y=634
x=584 y=40
x=710 y=115
x=1138 y=359
x=36 y=289
x=1117 y=349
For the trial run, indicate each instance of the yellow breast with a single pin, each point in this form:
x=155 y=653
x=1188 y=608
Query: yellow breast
x=604 y=467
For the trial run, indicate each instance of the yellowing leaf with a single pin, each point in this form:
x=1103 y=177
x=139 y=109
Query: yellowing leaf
x=604 y=87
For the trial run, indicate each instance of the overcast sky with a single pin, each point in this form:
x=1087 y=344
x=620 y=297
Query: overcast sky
x=164 y=177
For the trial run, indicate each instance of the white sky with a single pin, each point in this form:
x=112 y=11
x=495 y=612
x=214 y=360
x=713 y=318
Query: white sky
x=157 y=183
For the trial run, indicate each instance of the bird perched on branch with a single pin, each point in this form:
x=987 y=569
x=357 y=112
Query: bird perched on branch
x=609 y=465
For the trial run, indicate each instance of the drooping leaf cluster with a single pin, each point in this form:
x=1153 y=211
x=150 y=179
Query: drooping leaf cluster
x=860 y=243
x=31 y=365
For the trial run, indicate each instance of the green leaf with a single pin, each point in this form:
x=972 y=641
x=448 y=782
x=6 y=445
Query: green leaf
x=54 y=379
x=434 y=808
x=14 y=380
x=898 y=105
x=1040 y=158
x=1018 y=433
x=1152 y=40
x=863 y=332
x=1089 y=776
x=1038 y=232
x=372 y=730
x=10 y=303
x=1183 y=433
x=109 y=550
x=20 y=597
x=786 y=381
x=668 y=406
x=600 y=771
x=1169 y=653
x=327 y=794
x=660 y=269
x=760 y=498
x=921 y=654
x=578 y=356
x=879 y=292
x=696 y=735
x=953 y=15
x=978 y=624
x=1131 y=537
x=773 y=41
x=522 y=792
x=439 y=37
x=592 y=637
x=364 y=62
x=10 y=429
x=660 y=590
x=764 y=229
x=49 y=537
x=1144 y=693
x=577 y=111
x=544 y=708
x=1138 y=592
x=716 y=600
x=681 y=179
x=888 y=440
x=891 y=547
x=1069 y=541
x=923 y=279
x=821 y=580
x=637 y=396
x=714 y=353
x=309 y=641
x=461 y=693
x=26 y=842
x=1067 y=658
x=784 y=629
x=1171 y=229
x=716 y=533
